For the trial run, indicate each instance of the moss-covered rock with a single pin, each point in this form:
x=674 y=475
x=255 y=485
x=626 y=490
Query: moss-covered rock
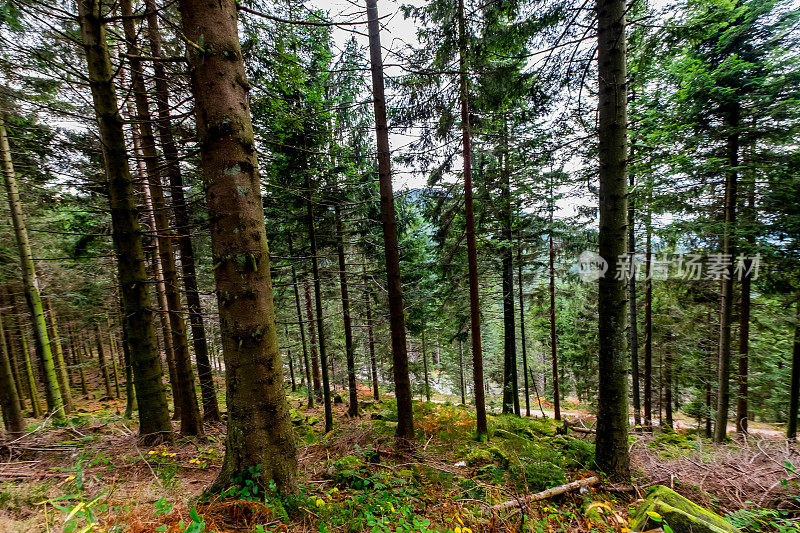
x=665 y=506
x=478 y=457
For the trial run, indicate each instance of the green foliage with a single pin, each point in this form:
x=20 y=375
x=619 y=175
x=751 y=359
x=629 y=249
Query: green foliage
x=756 y=520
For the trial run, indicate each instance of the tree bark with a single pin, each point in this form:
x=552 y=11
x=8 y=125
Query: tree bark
x=191 y=422
x=154 y=420
x=30 y=383
x=612 y=416
x=302 y=327
x=425 y=368
x=634 y=332
x=102 y=361
x=726 y=292
x=312 y=238
x=9 y=395
x=553 y=336
x=510 y=381
x=397 y=324
x=30 y=283
x=172 y=170
x=744 y=318
x=312 y=328
x=259 y=432
x=58 y=356
x=794 y=388
x=469 y=215
x=371 y=338
x=648 y=327
x=352 y=410
x=523 y=340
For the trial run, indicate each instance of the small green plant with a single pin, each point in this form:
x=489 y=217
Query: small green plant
x=164 y=463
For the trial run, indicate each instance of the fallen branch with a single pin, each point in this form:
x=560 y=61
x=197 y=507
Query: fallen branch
x=549 y=493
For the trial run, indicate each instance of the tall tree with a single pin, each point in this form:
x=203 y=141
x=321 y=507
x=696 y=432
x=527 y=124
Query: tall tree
x=259 y=432
x=173 y=172
x=612 y=415
x=154 y=420
x=402 y=383
x=30 y=283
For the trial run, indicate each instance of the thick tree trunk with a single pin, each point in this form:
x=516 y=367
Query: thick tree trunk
x=9 y=395
x=352 y=410
x=58 y=357
x=397 y=323
x=172 y=170
x=43 y=348
x=522 y=334
x=469 y=215
x=667 y=382
x=259 y=432
x=612 y=416
x=127 y=234
x=191 y=422
x=726 y=292
x=312 y=328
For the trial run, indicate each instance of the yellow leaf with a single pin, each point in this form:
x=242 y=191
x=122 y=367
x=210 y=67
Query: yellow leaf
x=457 y=530
x=320 y=502
x=75 y=510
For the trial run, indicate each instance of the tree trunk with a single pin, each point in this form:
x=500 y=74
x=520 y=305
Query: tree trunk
x=259 y=432
x=161 y=291
x=371 y=337
x=553 y=337
x=794 y=389
x=510 y=381
x=58 y=356
x=9 y=395
x=634 y=332
x=154 y=420
x=102 y=361
x=352 y=410
x=397 y=324
x=289 y=357
x=172 y=170
x=30 y=283
x=744 y=318
x=469 y=214
x=648 y=327
x=312 y=328
x=309 y=389
x=130 y=390
x=78 y=360
x=461 y=370
x=191 y=422
x=425 y=368
x=612 y=415
x=522 y=333
x=312 y=238
x=726 y=292
x=30 y=384
x=668 y=382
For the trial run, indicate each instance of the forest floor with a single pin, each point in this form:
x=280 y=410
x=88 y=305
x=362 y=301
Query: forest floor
x=91 y=474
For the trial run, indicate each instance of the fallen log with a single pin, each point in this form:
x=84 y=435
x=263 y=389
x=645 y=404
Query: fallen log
x=549 y=493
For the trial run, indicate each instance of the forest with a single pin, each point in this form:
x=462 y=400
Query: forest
x=418 y=266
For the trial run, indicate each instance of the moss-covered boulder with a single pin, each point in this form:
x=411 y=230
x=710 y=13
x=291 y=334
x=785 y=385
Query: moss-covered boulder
x=665 y=506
